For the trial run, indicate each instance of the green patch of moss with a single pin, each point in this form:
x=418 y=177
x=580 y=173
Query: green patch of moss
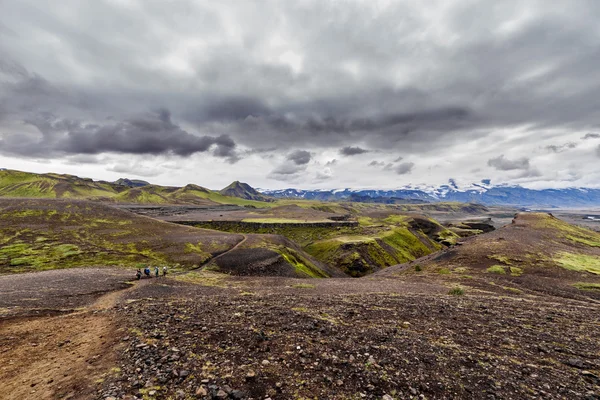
x=496 y=269
x=197 y=249
x=443 y=271
x=303 y=286
x=503 y=259
x=578 y=262
x=408 y=246
x=516 y=271
x=587 y=286
x=588 y=241
x=447 y=237
x=456 y=291
x=302 y=266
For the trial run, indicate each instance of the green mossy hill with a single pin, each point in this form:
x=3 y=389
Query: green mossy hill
x=17 y=184
x=243 y=191
x=40 y=234
x=25 y=184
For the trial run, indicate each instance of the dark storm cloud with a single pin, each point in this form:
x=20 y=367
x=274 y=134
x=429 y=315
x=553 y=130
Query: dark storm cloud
x=504 y=164
x=404 y=168
x=300 y=157
x=152 y=134
x=352 y=151
x=591 y=136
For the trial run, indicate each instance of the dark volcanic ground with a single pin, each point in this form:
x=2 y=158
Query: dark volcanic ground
x=206 y=335
x=286 y=340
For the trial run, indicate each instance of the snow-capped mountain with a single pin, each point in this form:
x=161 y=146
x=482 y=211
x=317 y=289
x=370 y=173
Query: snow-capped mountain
x=482 y=192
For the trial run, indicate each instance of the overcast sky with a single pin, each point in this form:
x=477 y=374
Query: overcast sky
x=306 y=94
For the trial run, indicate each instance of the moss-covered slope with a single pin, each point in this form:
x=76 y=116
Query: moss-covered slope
x=49 y=234
x=25 y=184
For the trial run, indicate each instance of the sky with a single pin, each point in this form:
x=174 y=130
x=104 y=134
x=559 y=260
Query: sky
x=305 y=94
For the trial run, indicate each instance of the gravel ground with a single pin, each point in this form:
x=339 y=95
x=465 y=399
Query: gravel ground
x=287 y=341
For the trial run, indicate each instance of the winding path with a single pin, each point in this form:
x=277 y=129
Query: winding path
x=213 y=259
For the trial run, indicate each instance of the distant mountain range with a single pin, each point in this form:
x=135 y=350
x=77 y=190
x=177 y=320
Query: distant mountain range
x=26 y=184
x=482 y=193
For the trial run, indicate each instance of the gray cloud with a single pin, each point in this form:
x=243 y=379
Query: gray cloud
x=352 y=151
x=598 y=150
x=561 y=148
x=392 y=77
x=150 y=134
x=375 y=163
x=300 y=157
x=135 y=169
x=288 y=172
x=504 y=164
x=404 y=168
x=323 y=175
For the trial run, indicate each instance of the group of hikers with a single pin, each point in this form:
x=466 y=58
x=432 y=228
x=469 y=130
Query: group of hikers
x=138 y=273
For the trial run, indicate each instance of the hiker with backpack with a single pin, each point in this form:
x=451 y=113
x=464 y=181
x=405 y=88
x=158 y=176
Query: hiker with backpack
x=147 y=272
x=156 y=269
x=138 y=274
x=165 y=270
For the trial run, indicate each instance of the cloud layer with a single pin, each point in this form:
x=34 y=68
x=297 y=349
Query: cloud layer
x=424 y=91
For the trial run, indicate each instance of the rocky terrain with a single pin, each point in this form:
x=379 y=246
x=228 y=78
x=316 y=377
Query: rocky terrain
x=503 y=314
x=208 y=335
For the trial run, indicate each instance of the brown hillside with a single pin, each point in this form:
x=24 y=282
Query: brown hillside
x=535 y=252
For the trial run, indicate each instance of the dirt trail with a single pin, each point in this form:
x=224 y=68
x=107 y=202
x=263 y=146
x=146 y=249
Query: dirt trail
x=213 y=259
x=59 y=357
x=63 y=356
x=241 y=242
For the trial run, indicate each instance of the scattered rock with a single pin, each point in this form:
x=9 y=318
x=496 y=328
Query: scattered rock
x=575 y=362
x=202 y=391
